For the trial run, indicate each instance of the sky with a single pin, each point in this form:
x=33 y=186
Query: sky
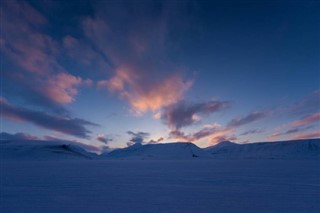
x=114 y=73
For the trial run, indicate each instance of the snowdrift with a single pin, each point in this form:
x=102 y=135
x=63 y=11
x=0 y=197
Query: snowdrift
x=178 y=150
x=42 y=150
x=298 y=149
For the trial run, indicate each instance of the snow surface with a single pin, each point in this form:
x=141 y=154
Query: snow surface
x=52 y=177
x=160 y=186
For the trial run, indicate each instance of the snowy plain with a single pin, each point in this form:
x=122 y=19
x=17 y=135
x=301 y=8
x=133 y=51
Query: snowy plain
x=82 y=184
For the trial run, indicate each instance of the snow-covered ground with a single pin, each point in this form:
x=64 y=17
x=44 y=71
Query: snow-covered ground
x=161 y=186
x=189 y=184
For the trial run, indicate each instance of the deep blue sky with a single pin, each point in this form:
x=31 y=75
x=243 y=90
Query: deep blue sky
x=125 y=72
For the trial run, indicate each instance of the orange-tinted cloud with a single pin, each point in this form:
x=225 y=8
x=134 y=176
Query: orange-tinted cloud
x=62 y=88
x=142 y=95
x=40 y=78
x=306 y=120
x=307 y=135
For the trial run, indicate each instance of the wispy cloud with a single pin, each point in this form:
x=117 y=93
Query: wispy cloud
x=310 y=119
x=290 y=131
x=296 y=126
x=307 y=135
x=184 y=114
x=63 y=124
x=252 y=131
x=252 y=117
x=308 y=105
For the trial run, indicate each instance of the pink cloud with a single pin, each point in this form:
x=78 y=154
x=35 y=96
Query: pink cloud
x=143 y=74
x=143 y=96
x=62 y=88
x=307 y=135
x=306 y=120
x=37 y=54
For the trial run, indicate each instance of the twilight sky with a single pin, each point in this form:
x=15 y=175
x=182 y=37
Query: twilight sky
x=115 y=73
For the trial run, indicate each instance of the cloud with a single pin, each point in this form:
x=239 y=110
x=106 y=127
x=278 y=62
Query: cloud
x=254 y=116
x=297 y=126
x=36 y=69
x=308 y=105
x=137 y=137
x=214 y=134
x=307 y=135
x=252 y=131
x=306 y=120
x=103 y=138
x=218 y=139
x=62 y=88
x=184 y=114
x=17 y=136
x=143 y=96
x=63 y=124
x=143 y=74
x=290 y=131
x=156 y=141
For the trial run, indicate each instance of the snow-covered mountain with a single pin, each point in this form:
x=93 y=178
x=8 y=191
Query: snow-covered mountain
x=306 y=149
x=177 y=150
x=41 y=150
x=59 y=150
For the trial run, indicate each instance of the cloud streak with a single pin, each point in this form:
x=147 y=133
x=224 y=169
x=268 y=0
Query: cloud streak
x=63 y=124
x=307 y=135
x=314 y=118
x=252 y=117
x=252 y=131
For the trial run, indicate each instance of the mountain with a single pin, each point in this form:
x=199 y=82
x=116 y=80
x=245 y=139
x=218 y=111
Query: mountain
x=41 y=150
x=301 y=149
x=177 y=150
x=64 y=150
